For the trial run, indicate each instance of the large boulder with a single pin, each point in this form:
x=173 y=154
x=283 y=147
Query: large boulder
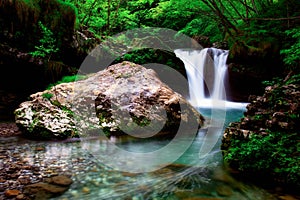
x=125 y=98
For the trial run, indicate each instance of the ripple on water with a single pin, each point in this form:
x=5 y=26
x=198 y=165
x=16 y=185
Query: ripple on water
x=93 y=180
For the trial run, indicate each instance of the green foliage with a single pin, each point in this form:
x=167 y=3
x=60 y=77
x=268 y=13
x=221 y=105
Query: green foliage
x=20 y=18
x=144 y=56
x=276 y=154
x=292 y=54
x=47 y=45
x=47 y=95
x=258 y=117
x=67 y=110
x=174 y=14
x=140 y=56
x=141 y=121
x=67 y=79
x=203 y=26
x=272 y=82
x=295 y=79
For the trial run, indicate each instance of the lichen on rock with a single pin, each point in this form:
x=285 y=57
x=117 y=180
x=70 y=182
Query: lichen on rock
x=125 y=98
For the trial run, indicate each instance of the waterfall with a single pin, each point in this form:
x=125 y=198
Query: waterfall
x=206 y=72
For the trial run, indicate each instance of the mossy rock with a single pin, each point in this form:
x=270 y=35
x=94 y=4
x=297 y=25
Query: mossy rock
x=264 y=145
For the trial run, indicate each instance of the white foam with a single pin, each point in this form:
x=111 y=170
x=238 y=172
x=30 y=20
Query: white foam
x=219 y=104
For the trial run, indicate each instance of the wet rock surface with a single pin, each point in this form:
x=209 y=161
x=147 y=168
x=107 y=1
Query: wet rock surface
x=137 y=98
x=21 y=178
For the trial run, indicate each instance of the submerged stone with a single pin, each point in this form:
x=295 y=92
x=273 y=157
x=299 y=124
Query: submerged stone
x=224 y=190
x=12 y=193
x=44 y=190
x=61 y=180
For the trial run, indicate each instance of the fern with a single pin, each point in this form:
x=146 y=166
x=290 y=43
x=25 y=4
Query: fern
x=47 y=44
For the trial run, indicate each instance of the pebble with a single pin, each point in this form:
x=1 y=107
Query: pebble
x=74 y=193
x=224 y=190
x=62 y=180
x=86 y=190
x=39 y=148
x=12 y=193
x=287 y=197
x=20 y=197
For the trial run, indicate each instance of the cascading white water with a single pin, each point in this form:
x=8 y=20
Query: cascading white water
x=206 y=71
x=220 y=72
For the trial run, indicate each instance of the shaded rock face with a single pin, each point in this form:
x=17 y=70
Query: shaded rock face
x=21 y=33
x=204 y=41
x=243 y=82
x=269 y=129
x=124 y=98
x=276 y=110
x=21 y=72
x=249 y=65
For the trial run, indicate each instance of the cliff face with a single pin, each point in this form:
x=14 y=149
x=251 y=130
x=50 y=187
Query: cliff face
x=250 y=64
x=265 y=143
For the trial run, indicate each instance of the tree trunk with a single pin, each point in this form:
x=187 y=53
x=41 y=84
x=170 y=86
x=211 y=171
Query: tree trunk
x=108 y=16
x=224 y=20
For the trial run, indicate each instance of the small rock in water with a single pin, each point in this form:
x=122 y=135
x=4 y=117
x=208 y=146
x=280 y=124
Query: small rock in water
x=94 y=169
x=74 y=193
x=224 y=190
x=86 y=190
x=182 y=194
x=12 y=193
x=44 y=189
x=20 y=197
x=39 y=148
x=287 y=197
x=129 y=174
x=62 y=180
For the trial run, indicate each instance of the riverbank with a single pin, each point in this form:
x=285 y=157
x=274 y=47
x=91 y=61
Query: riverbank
x=27 y=165
x=8 y=129
x=24 y=176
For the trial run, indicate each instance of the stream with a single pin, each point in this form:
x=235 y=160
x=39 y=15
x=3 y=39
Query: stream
x=186 y=178
x=198 y=173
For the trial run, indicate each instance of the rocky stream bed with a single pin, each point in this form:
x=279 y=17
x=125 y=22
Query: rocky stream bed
x=64 y=170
